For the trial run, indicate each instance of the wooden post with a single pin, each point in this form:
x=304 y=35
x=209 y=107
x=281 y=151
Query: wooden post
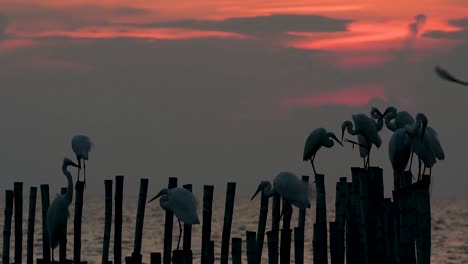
x=119 y=182
x=388 y=230
x=79 y=187
x=31 y=221
x=423 y=241
x=340 y=219
x=354 y=245
x=299 y=245
x=18 y=192
x=187 y=242
x=155 y=258
x=136 y=255
x=210 y=250
x=251 y=248
x=272 y=246
x=207 y=215
x=9 y=194
x=45 y=234
x=178 y=256
x=236 y=250
x=285 y=242
x=63 y=243
x=333 y=243
x=395 y=216
x=168 y=222
x=261 y=226
x=228 y=211
x=275 y=223
x=107 y=221
x=372 y=197
x=407 y=252
x=319 y=242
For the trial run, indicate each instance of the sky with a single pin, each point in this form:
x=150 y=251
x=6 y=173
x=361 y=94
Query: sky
x=218 y=91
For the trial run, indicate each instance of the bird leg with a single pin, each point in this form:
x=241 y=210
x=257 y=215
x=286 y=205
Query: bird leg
x=180 y=233
x=424 y=172
x=312 y=162
x=419 y=169
x=282 y=210
x=52 y=255
x=79 y=169
x=411 y=160
x=84 y=170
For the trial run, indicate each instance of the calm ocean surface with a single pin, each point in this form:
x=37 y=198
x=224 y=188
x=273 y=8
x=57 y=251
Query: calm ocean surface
x=449 y=229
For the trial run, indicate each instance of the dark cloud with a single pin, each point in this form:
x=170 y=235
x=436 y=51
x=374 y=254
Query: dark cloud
x=131 y=11
x=416 y=26
x=461 y=34
x=261 y=25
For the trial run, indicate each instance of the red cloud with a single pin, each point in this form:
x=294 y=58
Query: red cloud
x=354 y=96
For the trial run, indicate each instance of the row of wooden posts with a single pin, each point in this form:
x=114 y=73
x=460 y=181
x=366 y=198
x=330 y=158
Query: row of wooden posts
x=368 y=228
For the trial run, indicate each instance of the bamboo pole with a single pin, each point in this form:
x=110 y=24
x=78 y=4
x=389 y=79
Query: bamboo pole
x=45 y=234
x=178 y=256
x=354 y=245
x=340 y=219
x=424 y=221
x=187 y=242
x=228 y=211
x=107 y=221
x=18 y=192
x=9 y=196
x=31 y=221
x=168 y=222
x=272 y=246
x=285 y=242
x=207 y=216
x=63 y=242
x=319 y=242
x=119 y=182
x=407 y=254
x=275 y=223
x=155 y=258
x=79 y=187
x=333 y=243
x=261 y=226
x=136 y=255
x=299 y=245
x=236 y=250
x=210 y=250
x=251 y=247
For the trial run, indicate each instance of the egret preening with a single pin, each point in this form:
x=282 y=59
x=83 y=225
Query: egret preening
x=367 y=131
x=57 y=213
x=317 y=138
x=289 y=187
x=445 y=75
x=182 y=203
x=81 y=145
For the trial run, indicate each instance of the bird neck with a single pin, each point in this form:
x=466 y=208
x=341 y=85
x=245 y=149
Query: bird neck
x=163 y=202
x=413 y=129
x=268 y=190
x=379 y=124
x=350 y=129
x=69 y=193
x=391 y=125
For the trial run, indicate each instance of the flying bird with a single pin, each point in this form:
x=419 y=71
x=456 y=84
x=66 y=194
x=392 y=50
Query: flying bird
x=182 y=203
x=445 y=75
x=317 y=138
x=57 y=213
x=289 y=187
x=82 y=145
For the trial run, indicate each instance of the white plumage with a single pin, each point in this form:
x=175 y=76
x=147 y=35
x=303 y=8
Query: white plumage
x=57 y=213
x=317 y=138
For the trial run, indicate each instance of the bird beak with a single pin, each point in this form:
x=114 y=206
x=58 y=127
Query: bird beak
x=382 y=116
x=255 y=194
x=337 y=140
x=157 y=196
x=342 y=134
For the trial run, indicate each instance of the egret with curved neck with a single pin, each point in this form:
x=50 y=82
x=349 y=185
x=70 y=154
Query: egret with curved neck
x=318 y=138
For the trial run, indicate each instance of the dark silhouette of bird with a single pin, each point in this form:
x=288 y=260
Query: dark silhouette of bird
x=445 y=75
x=81 y=146
x=317 y=138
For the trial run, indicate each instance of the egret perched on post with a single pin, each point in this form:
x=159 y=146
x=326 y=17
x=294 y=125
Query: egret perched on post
x=289 y=187
x=81 y=145
x=445 y=75
x=367 y=131
x=57 y=213
x=317 y=138
x=182 y=203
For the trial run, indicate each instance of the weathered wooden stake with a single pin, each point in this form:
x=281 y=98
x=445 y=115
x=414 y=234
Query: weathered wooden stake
x=63 y=243
x=340 y=219
x=272 y=246
x=136 y=255
x=251 y=247
x=262 y=219
x=187 y=242
x=45 y=235
x=155 y=258
x=228 y=211
x=319 y=241
x=207 y=215
x=31 y=221
x=423 y=241
x=18 y=191
x=407 y=252
x=178 y=257
x=79 y=187
x=107 y=221
x=299 y=245
x=9 y=194
x=236 y=250
x=275 y=224
x=119 y=182
x=333 y=243
x=168 y=222
x=285 y=242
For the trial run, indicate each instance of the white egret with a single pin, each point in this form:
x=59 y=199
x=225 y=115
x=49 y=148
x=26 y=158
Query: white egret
x=182 y=203
x=81 y=145
x=317 y=138
x=57 y=213
x=445 y=75
x=367 y=131
x=291 y=189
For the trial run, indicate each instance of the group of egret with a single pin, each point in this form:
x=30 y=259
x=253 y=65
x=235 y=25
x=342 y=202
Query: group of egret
x=57 y=213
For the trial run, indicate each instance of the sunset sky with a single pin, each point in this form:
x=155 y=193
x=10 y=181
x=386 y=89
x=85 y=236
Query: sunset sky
x=216 y=91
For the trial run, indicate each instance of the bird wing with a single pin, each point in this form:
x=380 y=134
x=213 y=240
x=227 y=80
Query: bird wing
x=367 y=127
x=423 y=148
x=184 y=205
x=313 y=143
x=399 y=150
x=81 y=145
x=292 y=189
x=363 y=151
x=436 y=146
x=445 y=75
x=57 y=217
